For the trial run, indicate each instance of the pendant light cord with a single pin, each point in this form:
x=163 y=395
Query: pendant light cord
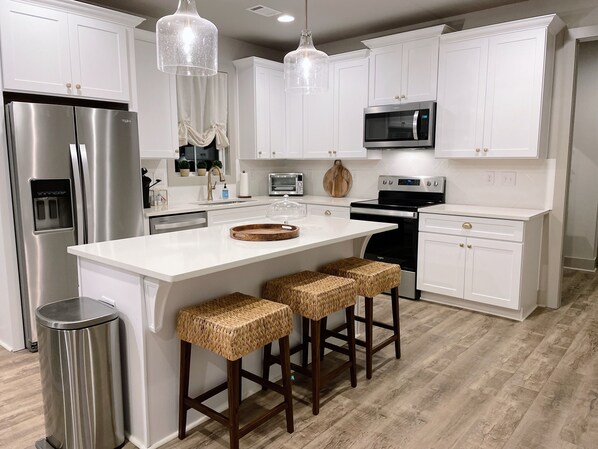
x=306 y=15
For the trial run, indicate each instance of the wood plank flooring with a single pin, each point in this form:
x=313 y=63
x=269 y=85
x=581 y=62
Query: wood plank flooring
x=465 y=380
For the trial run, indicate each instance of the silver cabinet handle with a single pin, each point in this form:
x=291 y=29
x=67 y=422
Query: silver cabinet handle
x=467 y=225
x=182 y=224
x=461 y=245
x=327 y=212
x=469 y=246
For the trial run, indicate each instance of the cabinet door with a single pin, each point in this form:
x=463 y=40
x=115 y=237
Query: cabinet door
x=156 y=103
x=294 y=126
x=419 y=70
x=350 y=98
x=514 y=94
x=318 y=134
x=461 y=98
x=493 y=272
x=35 y=49
x=385 y=75
x=328 y=211
x=98 y=59
x=276 y=110
x=441 y=264
x=262 y=113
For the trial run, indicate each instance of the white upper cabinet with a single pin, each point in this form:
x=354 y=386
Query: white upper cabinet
x=404 y=67
x=61 y=48
x=156 y=103
x=318 y=121
x=494 y=90
x=261 y=109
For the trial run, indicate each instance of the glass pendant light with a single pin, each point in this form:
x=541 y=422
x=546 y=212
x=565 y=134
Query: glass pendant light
x=306 y=69
x=187 y=44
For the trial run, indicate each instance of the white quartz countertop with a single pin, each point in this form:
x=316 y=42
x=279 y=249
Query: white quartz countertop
x=183 y=255
x=505 y=213
x=181 y=208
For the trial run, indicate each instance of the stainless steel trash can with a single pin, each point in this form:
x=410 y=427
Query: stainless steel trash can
x=81 y=378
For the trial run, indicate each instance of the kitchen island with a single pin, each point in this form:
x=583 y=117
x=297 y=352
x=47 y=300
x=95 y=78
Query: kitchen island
x=148 y=279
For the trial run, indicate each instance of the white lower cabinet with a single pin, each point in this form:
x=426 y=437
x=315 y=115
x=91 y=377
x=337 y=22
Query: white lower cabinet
x=328 y=211
x=496 y=275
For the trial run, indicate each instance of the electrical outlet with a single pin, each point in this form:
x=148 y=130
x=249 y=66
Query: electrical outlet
x=489 y=178
x=508 y=178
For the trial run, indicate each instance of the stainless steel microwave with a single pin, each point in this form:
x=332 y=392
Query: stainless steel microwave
x=409 y=125
x=285 y=184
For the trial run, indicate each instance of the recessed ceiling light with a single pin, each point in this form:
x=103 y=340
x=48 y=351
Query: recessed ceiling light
x=285 y=18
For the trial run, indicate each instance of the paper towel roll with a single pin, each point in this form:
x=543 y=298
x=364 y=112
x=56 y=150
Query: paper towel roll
x=244 y=184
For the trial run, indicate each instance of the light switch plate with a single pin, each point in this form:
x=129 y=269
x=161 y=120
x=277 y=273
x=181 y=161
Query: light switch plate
x=489 y=178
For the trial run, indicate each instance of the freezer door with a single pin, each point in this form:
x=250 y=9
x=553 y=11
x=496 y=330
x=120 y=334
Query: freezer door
x=39 y=138
x=111 y=174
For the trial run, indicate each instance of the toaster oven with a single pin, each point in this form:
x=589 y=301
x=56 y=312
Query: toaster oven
x=285 y=184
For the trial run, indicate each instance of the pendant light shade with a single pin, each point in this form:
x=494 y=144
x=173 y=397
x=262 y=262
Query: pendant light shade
x=186 y=43
x=306 y=69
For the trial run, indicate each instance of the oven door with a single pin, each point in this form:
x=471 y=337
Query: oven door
x=398 y=246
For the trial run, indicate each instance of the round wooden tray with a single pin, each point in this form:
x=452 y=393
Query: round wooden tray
x=264 y=232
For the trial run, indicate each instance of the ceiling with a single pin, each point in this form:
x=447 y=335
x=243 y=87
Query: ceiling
x=329 y=20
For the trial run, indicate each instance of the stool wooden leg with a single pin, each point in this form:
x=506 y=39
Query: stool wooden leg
x=185 y=365
x=233 y=369
x=323 y=326
x=305 y=344
x=315 y=366
x=394 y=298
x=240 y=385
x=285 y=365
x=350 y=312
x=266 y=364
x=369 y=334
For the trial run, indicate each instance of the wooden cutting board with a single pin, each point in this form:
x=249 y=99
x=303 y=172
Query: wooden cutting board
x=338 y=180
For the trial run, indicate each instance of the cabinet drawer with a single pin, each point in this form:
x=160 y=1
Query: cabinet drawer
x=488 y=228
x=221 y=216
x=328 y=211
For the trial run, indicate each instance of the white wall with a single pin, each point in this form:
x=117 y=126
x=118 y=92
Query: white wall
x=581 y=224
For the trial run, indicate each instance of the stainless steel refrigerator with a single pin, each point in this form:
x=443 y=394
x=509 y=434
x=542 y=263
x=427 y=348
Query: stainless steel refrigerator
x=75 y=176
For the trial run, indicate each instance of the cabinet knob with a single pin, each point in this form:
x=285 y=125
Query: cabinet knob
x=469 y=246
x=327 y=212
x=477 y=150
x=68 y=85
x=467 y=225
x=330 y=152
x=273 y=153
x=461 y=245
x=403 y=97
x=485 y=150
x=78 y=86
x=334 y=152
x=397 y=97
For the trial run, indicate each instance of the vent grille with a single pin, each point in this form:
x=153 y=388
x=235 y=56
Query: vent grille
x=264 y=11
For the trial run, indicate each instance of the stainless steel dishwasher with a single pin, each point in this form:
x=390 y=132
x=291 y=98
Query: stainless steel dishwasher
x=178 y=222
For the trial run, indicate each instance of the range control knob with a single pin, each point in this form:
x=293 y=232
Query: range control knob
x=435 y=183
x=428 y=183
x=390 y=182
x=384 y=181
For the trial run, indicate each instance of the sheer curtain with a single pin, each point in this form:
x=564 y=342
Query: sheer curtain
x=203 y=110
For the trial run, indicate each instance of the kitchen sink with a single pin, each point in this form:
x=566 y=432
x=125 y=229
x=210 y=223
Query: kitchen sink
x=220 y=202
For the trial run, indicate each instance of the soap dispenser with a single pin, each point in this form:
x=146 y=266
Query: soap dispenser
x=225 y=192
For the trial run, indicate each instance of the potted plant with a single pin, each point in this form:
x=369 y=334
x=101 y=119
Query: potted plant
x=217 y=163
x=184 y=167
x=201 y=168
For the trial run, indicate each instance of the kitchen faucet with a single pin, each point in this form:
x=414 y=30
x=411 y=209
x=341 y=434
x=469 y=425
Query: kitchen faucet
x=210 y=186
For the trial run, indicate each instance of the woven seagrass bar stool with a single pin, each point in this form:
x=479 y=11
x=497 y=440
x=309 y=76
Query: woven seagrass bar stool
x=371 y=279
x=314 y=296
x=232 y=327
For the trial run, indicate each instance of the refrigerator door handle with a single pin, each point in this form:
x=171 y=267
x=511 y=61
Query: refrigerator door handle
x=88 y=200
x=78 y=188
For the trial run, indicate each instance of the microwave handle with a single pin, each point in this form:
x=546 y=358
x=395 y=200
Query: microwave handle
x=415 y=120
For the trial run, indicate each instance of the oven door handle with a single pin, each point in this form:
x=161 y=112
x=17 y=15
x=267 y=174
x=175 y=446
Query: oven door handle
x=384 y=212
x=415 y=120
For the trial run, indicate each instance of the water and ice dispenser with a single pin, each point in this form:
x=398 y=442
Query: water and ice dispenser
x=52 y=207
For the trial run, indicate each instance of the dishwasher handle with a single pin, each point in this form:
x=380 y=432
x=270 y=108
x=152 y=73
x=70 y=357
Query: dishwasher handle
x=180 y=224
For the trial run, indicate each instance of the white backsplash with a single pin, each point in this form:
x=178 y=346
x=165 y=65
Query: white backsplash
x=466 y=179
